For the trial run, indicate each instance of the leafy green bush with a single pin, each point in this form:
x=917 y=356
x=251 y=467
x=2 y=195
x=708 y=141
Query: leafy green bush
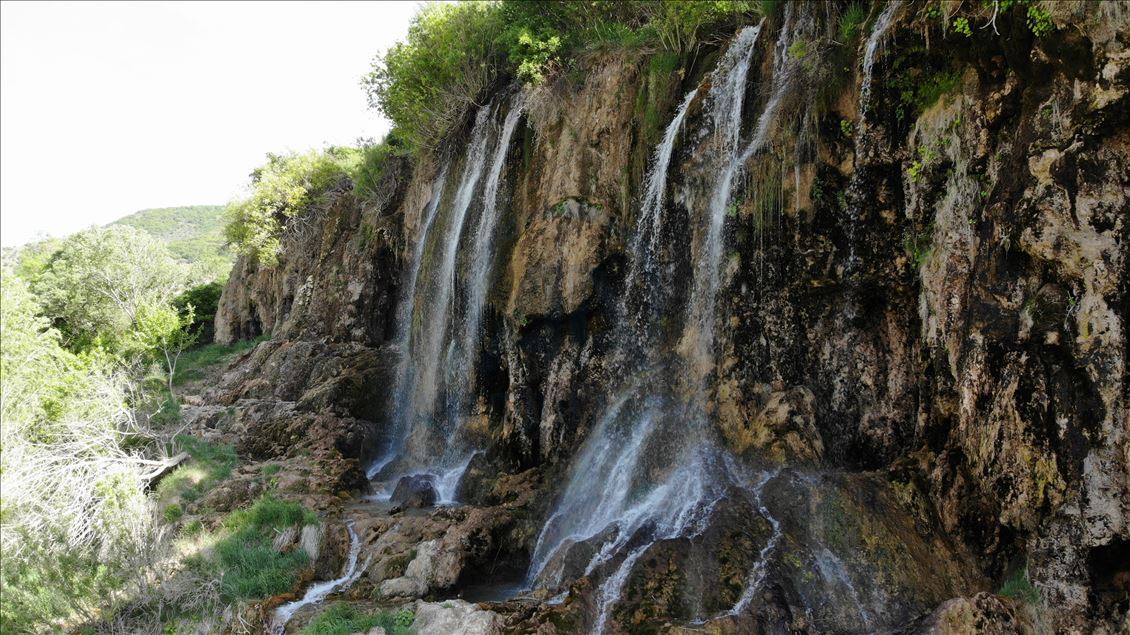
x=372 y=166
x=427 y=84
x=344 y=619
x=99 y=279
x=281 y=190
x=76 y=526
x=205 y=301
x=173 y=513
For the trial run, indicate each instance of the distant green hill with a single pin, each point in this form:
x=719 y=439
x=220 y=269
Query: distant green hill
x=193 y=234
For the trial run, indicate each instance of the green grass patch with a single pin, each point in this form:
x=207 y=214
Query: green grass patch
x=173 y=513
x=344 y=619
x=1017 y=586
x=210 y=464
x=244 y=557
x=193 y=362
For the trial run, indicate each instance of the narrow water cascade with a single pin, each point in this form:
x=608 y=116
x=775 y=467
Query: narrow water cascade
x=441 y=313
x=435 y=296
x=319 y=591
x=405 y=306
x=864 y=143
x=698 y=339
x=462 y=361
x=871 y=50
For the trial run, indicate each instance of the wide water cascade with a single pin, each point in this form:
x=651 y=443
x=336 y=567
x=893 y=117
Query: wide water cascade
x=651 y=470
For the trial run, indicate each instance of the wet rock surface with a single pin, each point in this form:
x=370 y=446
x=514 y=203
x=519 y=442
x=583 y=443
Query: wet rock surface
x=414 y=491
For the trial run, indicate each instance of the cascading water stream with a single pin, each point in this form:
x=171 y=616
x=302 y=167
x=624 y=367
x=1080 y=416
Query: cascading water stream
x=698 y=339
x=435 y=300
x=863 y=141
x=870 y=52
x=319 y=591
x=461 y=361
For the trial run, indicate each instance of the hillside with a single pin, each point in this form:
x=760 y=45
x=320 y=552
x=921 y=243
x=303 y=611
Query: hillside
x=193 y=234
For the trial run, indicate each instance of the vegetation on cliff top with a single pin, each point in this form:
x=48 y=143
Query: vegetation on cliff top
x=455 y=52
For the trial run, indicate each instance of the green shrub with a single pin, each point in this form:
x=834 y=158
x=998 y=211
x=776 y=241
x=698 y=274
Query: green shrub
x=173 y=513
x=98 y=280
x=961 y=25
x=427 y=84
x=1039 y=21
x=370 y=169
x=851 y=22
x=205 y=301
x=286 y=187
x=344 y=619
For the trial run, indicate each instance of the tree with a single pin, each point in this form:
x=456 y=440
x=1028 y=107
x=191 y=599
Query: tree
x=98 y=280
x=166 y=332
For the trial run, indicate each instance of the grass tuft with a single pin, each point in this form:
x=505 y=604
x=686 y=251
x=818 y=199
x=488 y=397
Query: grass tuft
x=344 y=619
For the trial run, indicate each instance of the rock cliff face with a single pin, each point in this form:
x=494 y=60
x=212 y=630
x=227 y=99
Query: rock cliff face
x=919 y=332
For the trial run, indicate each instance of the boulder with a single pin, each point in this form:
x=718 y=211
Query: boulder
x=415 y=491
x=454 y=617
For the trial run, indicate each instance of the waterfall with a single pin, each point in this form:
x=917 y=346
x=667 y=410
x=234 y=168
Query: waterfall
x=698 y=337
x=481 y=259
x=645 y=242
x=434 y=300
x=863 y=141
x=870 y=50
x=406 y=302
x=439 y=326
x=648 y=471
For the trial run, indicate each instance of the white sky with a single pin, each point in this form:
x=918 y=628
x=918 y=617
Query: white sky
x=108 y=108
